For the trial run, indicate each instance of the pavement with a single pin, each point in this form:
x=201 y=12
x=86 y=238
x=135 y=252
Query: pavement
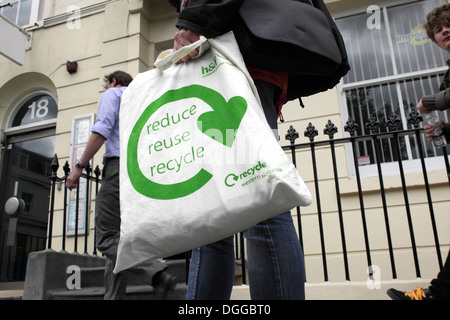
x=325 y=291
x=11 y=290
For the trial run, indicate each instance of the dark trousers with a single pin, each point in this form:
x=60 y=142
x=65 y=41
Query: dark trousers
x=440 y=287
x=107 y=224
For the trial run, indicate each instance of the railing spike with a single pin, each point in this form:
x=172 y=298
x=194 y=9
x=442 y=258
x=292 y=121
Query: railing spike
x=351 y=127
x=330 y=129
x=66 y=169
x=97 y=171
x=393 y=122
x=373 y=124
x=292 y=135
x=311 y=132
x=415 y=118
x=55 y=164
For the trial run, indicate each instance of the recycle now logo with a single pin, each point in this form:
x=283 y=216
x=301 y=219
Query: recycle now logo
x=224 y=116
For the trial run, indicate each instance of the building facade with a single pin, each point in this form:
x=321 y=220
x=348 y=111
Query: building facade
x=49 y=102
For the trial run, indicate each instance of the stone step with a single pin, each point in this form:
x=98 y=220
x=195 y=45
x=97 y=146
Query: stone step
x=49 y=274
x=134 y=292
x=94 y=276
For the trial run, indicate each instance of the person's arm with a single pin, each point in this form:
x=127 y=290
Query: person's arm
x=94 y=144
x=108 y=114
x=439 y=101
x=209 y=18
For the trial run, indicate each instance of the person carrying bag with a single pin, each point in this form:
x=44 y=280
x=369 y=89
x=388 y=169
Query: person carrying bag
x=285 y=45
x=199 y=161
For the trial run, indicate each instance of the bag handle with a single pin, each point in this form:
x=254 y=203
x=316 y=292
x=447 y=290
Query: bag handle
x=167 y=58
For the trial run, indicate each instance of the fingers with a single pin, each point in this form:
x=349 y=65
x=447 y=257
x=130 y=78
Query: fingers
x=421 y=107
x=71 y=185
x=72 y=181
x=193 y=54
x=429 y=132
x=185 y=37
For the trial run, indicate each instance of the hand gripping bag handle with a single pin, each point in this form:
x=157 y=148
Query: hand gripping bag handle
x=167 y=58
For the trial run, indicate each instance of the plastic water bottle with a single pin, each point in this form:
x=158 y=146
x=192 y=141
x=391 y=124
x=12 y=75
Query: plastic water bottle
x=432 y=119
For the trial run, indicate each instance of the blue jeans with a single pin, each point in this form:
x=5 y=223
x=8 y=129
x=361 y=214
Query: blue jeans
x=275 y=258
x=275 y=264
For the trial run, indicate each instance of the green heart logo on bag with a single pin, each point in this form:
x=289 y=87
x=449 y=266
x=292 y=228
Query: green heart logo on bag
x=225 y=116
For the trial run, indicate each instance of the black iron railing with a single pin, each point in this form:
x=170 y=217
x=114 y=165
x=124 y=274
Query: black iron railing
x=56 y=184
x=374 y=136
x=393 y=134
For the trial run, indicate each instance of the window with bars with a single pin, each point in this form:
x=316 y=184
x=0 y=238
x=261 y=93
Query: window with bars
x=21 y=12
x=394 y=65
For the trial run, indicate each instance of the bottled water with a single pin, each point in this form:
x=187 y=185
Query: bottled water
x=432 y=119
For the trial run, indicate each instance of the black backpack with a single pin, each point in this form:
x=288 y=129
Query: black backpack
x=316 y=61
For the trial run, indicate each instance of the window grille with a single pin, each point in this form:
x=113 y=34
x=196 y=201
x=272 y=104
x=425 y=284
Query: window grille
x=394 y=65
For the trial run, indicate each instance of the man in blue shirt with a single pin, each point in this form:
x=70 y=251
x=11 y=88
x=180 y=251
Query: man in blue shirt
x=107 y=205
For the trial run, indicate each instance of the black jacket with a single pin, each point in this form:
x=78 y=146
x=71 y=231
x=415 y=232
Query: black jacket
x=282 y=23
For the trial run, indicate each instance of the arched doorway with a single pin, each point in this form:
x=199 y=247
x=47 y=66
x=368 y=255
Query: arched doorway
x=29 y=146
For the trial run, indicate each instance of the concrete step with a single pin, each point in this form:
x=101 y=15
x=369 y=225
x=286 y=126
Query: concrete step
x=48 y=273
x=94 y=276
x=92 y=285
x=134 y=292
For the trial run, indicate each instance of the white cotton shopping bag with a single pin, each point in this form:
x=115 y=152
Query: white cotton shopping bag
x=198 y=160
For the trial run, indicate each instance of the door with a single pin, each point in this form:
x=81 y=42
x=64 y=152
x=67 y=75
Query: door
x=26 y=172
x=29 y=147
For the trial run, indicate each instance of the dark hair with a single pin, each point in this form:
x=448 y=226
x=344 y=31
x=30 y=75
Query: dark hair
x=437 y=18
x=122 y=78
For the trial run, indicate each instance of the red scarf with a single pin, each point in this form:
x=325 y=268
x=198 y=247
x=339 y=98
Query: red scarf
x=280 y=79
